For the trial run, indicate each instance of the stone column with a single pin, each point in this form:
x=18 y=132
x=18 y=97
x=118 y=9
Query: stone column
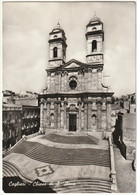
x=99 y=78
x=41 y=130
x=48 y=112
x=89 y=113
x=94 y=80
x=62 y=81
x=55 y=114
x=48 y=80
x=85 y=115
x=86 y=80
x=89 y=79
x=67 y=121
x=65 y=113
x=83 y=81
x=80 y=117
x=59 y=113
x=45 y=116
x=94 y=112
x=103 y=117
x=62 y=113
x=59 y=80
x=65 y=81
x=77 y=120
x=99 y=113
x=108 y=114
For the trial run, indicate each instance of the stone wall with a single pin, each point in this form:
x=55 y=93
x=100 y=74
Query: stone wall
x=92 y=114
x=87 y=80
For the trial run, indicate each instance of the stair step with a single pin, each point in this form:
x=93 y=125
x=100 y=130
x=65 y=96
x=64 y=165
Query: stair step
x=77 y=190
x=12 y=170
x=53 y=155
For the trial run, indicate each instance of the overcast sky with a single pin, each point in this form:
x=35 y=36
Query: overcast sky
x=26 y=27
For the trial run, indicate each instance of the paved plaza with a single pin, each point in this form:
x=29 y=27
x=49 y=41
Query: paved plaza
x=39 y=158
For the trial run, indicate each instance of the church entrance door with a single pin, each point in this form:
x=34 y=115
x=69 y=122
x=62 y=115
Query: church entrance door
x=72 y=122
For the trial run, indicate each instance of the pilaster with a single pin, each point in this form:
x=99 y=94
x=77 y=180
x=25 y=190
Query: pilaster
x=89 y=113
x=62 y=81
x=48 y=112
x=86 y=80
x=65 y=113
x=59 y=113
x=99 y=113
x=59 y=80
x=99 y=79
x=108 y=114
x=80 y=117
x=89 y=78
x=85 y=116
x=65 y=80
x=41 y=130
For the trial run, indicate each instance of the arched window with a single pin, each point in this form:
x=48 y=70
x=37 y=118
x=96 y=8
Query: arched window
x=52 y=120
x=73 y=84
x=94 y=119
x=94 y=46
x=94 y=28
x=55 y=52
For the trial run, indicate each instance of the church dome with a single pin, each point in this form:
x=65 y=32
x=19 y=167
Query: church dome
x=94 y=19
x=57 y=28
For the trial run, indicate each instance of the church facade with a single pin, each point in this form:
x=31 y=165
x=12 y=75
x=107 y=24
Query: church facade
x=75 y=99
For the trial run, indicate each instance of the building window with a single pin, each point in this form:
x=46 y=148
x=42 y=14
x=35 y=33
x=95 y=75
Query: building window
x=55 y=52
x=94 y=46
x=94 y=28
x=94 y=119
x=73 y=84
x=52 y=120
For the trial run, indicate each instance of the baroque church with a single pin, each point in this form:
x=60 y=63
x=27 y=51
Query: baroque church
x=76 y=99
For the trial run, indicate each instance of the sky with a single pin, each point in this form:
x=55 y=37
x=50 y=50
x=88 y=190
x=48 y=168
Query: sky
x=26 y=28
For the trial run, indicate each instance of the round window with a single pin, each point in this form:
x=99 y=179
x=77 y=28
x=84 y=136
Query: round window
x=73 y=84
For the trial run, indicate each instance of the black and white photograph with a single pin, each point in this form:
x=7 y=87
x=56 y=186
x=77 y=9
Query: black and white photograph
x=68 y=97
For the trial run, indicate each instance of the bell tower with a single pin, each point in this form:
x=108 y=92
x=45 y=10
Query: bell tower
x=94 y=41
x=57 y=47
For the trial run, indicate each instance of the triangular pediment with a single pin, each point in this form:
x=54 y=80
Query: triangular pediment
x=72 y=64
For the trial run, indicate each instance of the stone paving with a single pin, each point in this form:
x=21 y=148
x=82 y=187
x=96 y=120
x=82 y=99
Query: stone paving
x=28 y=165
x=126 y=177
x=103 y=144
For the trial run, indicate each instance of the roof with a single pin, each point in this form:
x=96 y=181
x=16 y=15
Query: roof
x=11 y=106
x=94 y=19
x=75 y=65
x=115 y=107
x=58 y=27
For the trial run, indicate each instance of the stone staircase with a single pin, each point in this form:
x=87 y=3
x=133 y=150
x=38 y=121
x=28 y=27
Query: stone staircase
x=83 y=185
x=64 y=156
x=73 y=139
x=10 y=170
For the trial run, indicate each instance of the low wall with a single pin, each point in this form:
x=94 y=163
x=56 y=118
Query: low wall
x=7 y=152
x=124 y=135
x=32 y=135
x=112 y=165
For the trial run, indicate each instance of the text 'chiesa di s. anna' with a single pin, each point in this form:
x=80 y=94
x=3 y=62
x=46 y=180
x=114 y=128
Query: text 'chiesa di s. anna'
x=75 y=99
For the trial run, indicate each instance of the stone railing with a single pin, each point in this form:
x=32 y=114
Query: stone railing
x=7 y=152
x=112 y=164
x=24 y=138
x=32 y=135
x=20 y=173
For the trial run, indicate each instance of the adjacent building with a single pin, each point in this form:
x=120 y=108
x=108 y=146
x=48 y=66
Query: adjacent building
x=21 y=116
x=12 y=123
x=30 y=119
